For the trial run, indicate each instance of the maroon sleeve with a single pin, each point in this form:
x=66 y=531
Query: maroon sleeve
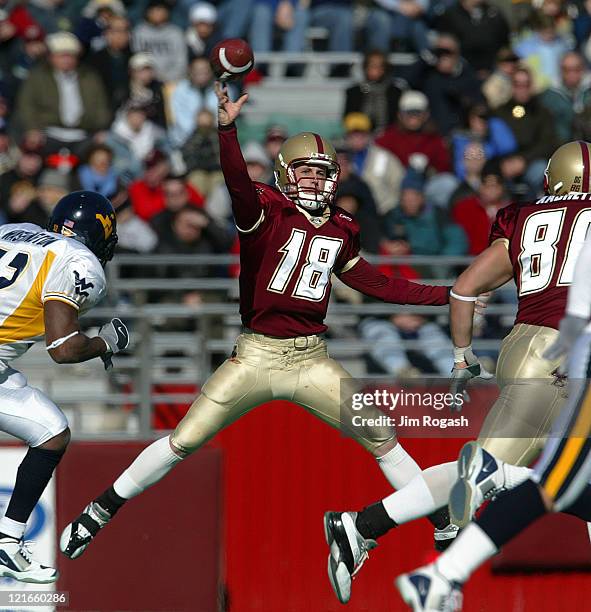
x=246 y=206
x=441 y=157
x=504 y=224
x=369 y=280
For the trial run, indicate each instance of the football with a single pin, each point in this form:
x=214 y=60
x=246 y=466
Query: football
x=231 y=59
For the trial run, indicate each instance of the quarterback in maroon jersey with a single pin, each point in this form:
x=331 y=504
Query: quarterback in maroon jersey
x=535 y=244
x=292 y=239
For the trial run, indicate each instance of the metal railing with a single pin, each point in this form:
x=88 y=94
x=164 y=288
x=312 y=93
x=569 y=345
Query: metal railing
x=316 y=66
x=178 y=344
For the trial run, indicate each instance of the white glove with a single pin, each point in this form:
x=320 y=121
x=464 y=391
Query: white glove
x=571 y=327
x=461 y=376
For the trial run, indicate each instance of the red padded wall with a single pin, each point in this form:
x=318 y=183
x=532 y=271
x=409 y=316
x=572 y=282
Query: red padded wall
x=283 y=469
x=161 y=552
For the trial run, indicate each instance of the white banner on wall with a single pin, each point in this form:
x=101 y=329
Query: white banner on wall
x=40 y=528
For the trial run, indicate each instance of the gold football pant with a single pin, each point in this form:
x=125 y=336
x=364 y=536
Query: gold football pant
x=531 y=397
x=263 y=368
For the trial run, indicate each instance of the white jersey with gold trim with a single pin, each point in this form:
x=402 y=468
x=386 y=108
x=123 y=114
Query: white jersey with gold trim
x=36 y=266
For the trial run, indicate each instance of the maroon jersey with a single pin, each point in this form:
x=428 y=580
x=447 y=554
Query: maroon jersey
x=287 y=257
x=545 y=239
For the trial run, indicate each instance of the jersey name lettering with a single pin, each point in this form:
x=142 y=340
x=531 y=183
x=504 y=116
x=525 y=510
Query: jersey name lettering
x=32 y=237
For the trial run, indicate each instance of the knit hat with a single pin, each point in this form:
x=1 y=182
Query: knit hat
x=203 y=12
x=254 y=153
x=357 y=122
x=413 y=101
x=63 y=42
x=413 y=180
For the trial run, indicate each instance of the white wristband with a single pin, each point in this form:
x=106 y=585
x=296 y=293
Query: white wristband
x=460 y=353
x=61 y=341
x=462 y=298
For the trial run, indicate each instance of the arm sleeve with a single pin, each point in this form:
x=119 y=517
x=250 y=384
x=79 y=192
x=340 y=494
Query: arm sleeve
x=369 y=280
x=579 y=294
x=76 y=279
x=504 y=224
x=247 y=209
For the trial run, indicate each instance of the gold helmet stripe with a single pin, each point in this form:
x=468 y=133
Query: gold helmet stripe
x=586 y=163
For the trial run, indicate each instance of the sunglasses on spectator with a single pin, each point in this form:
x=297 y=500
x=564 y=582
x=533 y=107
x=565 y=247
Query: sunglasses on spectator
x=443 y=51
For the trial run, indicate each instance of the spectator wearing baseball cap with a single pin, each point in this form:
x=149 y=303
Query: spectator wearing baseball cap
x=381 y=170
x=415 y=141
x=414 y=133
x=143 y=85
x=202 y=34
x=63 y=98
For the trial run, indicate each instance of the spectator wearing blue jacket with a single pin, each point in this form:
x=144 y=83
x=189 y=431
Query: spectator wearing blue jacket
x=494 y=135
x=426 y=228
x=188 y=98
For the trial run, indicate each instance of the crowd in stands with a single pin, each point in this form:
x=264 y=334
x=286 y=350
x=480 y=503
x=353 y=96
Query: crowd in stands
x=117 y=96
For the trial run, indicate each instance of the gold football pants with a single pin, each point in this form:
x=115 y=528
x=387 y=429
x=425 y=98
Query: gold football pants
x=516 y=427
x=263 y=368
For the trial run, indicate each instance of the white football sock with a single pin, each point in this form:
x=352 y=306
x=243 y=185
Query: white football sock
x=398 y=467
x=424 y=494
x=515 y=475
x=470 y=550
x=411 y=502
x=12 y=528
x=440 y=479
x=152 y=464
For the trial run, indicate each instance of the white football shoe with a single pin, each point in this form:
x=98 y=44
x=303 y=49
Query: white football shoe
x=349 y=550
x=17 y=562
x=481 y=477
x=444 y=538
x=426 y=590
x=80 y=532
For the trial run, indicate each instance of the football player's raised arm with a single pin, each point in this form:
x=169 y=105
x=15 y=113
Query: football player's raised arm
x=370 y=281
x=64 y=339
x=246 y=207
x=491 y=269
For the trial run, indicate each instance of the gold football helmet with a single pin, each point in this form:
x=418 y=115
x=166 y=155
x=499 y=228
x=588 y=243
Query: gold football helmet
x=310 y=149
x=569 y=169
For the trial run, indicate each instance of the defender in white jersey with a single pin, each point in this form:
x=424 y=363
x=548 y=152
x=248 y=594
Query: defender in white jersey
x=47 y=279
